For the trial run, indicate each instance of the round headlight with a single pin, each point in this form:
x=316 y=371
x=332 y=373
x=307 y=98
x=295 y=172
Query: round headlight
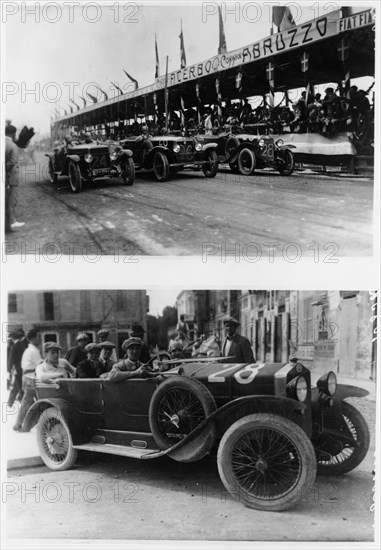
x=327 y=383
x=279 y=142
x=176 y=148
x=261 y=142
x=88 y=157
x=113 y=156
x=301 y=388
x=198 y=146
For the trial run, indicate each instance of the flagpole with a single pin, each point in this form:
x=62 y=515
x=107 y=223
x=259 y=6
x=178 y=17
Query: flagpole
x=166 y=94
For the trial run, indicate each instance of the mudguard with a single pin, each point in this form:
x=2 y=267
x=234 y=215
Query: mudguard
x=74 y=418
x=74 y=158
x=126 y=153
x=244 y=145
x=342 y=392
x=210 y=145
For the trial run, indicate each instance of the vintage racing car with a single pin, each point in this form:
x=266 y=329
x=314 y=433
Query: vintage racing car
x=86 y=162
x=245 y=152
x=271 y=430
x=168 y=153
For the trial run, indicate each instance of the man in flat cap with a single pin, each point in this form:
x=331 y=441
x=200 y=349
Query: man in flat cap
x=235 y=346
x=130 y=367
x=91 y=367
x=103 y=336
x=53 y=367
x=12 y=179
x=137 y=331
x=106 y=356
x=77 y=353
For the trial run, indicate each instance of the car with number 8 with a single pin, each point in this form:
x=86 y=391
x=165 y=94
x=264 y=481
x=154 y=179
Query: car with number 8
x=271 y=431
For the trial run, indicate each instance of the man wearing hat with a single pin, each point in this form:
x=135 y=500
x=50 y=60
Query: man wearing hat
x=103 y=336
x=137 y=331
x=235 y=346
x=12 y=178
x=77 y=353
x=106 y=356
x=20 y=344
x=130 y=367
x=90 y=367
x=53 y=367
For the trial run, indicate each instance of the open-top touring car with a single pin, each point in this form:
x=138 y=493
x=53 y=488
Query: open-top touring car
x=168 y=153
x=87 y=162
x=245 y=152
x=271 y=430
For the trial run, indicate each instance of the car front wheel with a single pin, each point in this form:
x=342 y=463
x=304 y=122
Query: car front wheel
x=127 y=167
x=161 y=166
x=211 y=168
x=287 y=167
x=75 y=177
x=267 y=461
x=54 y=441
x=246 y=162
x=342 y=457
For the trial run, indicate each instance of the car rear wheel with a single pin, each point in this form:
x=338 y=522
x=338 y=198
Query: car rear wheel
x=348 y=457
x=127 y=167
x=211 y=168
x=75 y=177
x=287 y=167
x=178 y=406
x=54 y=441
x=267 y=461
x=246 y=162
x=160 y=166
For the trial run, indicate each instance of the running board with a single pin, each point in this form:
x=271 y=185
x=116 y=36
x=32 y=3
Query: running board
x=119 y=450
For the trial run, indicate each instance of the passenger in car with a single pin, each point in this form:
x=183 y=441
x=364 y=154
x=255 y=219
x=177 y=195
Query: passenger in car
x=90 y=367
x=130 y=367
x=53 y=366
x=106 y=357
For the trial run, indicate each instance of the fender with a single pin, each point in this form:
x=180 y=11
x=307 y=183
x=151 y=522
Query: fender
x=244 y=145
x=209 y=146
x=342 y=392
x=74 y=158
x=242 y=407
x=126 y=153
x=74 y=418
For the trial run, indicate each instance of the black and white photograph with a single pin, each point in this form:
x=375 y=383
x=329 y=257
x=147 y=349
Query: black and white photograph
x=179 y=129
x=196 y=414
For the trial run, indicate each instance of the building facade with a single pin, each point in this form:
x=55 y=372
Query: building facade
x=59 y=315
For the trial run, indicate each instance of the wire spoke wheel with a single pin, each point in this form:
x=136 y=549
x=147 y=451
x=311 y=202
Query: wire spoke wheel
x=160 y=166
x=246 y=162
x=75 y=177
x=54 y=441
x=267 y=460
x=349 y=456
x=211 y=168
x=287 y=167
x=127 y=171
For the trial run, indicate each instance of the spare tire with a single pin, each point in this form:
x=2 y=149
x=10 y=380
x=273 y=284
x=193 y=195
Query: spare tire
x=177 y=407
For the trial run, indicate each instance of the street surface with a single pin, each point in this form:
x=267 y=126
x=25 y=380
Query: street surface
x=106 y=497
x=254 y=217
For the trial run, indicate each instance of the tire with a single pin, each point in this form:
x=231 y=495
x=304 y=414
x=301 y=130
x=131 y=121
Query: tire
x=75 y=177
x=349 y=457
x=160 y=166
x=127 y=167
x=246 y=162
x=231 y=146
x=53 y=435
x=210 y=170
x=266 y=482
x=171 y=420
x=287 y=168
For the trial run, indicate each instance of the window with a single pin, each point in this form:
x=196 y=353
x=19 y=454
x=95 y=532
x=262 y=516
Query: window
x=48 y=306
x=50 y=337
x=12 y=303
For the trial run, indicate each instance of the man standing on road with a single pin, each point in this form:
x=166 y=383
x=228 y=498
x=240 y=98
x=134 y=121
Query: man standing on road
x=130 y=367
x=30 y=359
x=12 y=179
x=53 y=367
x=235 y=346
x=77 y=353
x=20 y=343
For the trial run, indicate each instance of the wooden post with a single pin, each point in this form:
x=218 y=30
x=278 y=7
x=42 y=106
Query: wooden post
x=166 y=95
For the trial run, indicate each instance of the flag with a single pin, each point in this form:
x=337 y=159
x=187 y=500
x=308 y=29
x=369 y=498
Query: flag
x=132 y=79
x=157 y=66
x=183 y=59
x=117 y=87
x=74 y=103
x=84 y=101
x=95 y=100
x=282 y=18
x=222 y=44
x=104 y=93
x=71 y=109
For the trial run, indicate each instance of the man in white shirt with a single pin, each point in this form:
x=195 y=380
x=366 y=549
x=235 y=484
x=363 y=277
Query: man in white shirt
x=53 y=367
x=29 y=361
